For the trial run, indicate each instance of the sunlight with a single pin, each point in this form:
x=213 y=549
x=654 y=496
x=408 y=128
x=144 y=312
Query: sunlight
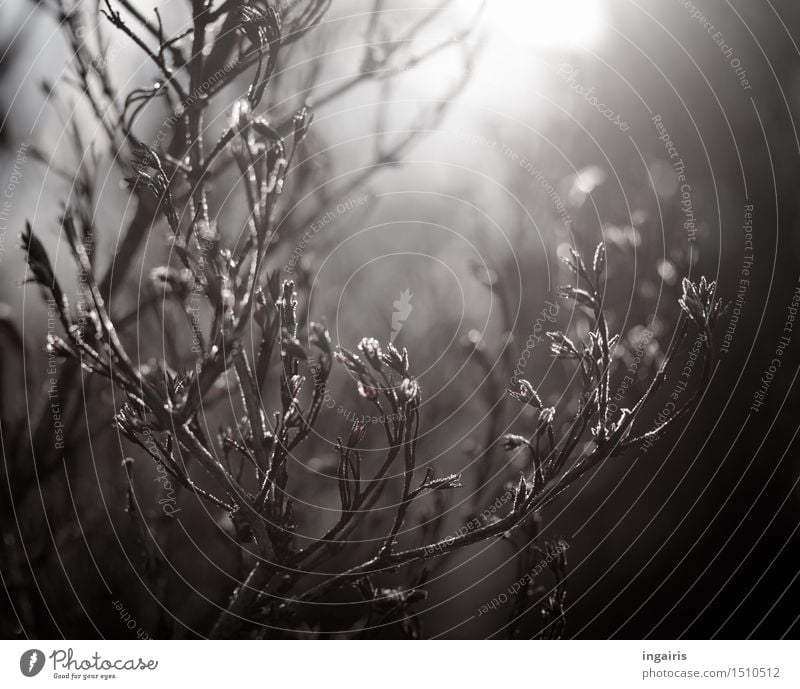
x=548 y=24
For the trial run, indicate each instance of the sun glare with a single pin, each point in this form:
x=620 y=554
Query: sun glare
x=548 y=24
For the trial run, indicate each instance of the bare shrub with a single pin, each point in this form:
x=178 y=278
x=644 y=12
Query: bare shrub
x=224 y=295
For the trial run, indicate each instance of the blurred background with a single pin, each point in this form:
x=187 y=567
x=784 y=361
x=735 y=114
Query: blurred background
x=430 y=208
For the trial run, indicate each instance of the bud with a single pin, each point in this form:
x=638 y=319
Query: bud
x=395 y=360
x=291 y=346
x=368 y=389
x=371 y=349
x=512 y=442
x=409 y=390
x=350 y=361
x=599 y=262
x=526 y=394
x=319 y=337
x=546 y=417
x=178 y=283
